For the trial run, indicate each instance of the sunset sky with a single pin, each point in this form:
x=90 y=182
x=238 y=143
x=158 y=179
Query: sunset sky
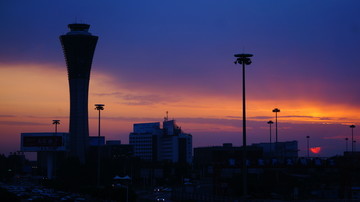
x=177 y=56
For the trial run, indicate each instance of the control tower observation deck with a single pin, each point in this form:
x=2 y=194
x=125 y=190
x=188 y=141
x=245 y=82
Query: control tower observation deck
x=78 y=47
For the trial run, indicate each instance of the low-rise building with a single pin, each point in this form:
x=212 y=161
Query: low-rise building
x=153 y=143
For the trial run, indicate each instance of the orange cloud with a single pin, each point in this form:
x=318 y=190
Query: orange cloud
x=33 y=95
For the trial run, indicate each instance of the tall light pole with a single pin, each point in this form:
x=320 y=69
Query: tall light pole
x=270 y=123
x=244 y=59
x=308 y=147
x=56 y=123
x=354 y=145
x=99 y=107
x=276 y=110
x=50 y=155
x=352 y=137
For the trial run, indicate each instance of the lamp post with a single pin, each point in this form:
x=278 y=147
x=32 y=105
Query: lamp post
x=276 y=110
x=354 y=145
x=99 y=107
x=56 y=123
x=244 y=59
x=51 y=158
x=308 y=148
x=352 y=137
x=270 y=123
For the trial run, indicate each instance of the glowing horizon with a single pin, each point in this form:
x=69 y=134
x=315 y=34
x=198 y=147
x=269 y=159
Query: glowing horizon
x=125 y=107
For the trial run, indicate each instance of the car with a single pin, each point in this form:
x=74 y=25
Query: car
x=160 y=198
x=157 y=189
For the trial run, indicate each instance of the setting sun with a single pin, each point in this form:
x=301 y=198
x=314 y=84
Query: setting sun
x=315 y=150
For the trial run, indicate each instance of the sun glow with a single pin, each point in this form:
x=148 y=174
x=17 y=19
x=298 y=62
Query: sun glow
x=315 y=150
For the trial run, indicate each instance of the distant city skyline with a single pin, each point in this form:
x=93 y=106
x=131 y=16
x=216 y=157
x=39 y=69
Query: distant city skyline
x=154 y=57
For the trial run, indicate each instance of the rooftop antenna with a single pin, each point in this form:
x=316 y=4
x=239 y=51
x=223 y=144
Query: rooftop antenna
x=166 y=118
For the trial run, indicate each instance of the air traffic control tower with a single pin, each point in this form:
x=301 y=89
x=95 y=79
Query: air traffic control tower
x=79 y=46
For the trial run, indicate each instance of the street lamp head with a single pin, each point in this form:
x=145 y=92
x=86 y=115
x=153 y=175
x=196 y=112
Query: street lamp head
x=270 y=122
x=307 y=137
x=99 y=106
x=243 y=58
x=276 y=110
x=243 y=55
x=346 y=139
x=56 y=121
x=352 y=126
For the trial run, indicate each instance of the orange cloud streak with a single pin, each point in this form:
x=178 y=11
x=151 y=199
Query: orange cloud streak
x=36 y=94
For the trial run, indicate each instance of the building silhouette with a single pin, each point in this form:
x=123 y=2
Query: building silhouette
x=78 y=47
x=288 y=149
x=169 y=143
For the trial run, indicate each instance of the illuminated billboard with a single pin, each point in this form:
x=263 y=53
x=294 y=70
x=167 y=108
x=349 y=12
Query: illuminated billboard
x=35 y=142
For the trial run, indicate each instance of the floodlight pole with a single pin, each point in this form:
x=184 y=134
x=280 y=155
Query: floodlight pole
x=244 y=59
x=352 y=138
x=56 y=123
x=276 y=110
x=98 y=107
x=270 y=123
x=51 y=155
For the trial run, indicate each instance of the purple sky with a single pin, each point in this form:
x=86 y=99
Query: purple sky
x=178 y=56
